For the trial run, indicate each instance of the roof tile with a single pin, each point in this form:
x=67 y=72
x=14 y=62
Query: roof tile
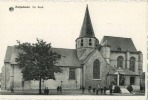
x=119 y=42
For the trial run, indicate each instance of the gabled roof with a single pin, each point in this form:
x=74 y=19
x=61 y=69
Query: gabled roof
x=8 y=54
x=126 y=44
x=89 y=56
x=106 y=44
x=69 y=56
x=87 y=29
x=86 y=52
x=124 y=71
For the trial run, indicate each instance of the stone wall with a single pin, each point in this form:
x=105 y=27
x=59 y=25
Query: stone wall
x=3 y=78
x=14 y=78
x=6 y=76
x=86 y=42
x=104 y=68
x=115 y=55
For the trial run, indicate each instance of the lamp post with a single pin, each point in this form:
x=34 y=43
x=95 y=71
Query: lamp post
x=43 y=84
x=12 y=83
x=76 y=84
x=107 y=77
x=83 y=75
x=12 y=78
x=5 y=76
x=61 y=83
x=22 y=84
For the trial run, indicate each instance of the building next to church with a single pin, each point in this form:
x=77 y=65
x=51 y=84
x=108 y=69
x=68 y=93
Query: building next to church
x=92 y=62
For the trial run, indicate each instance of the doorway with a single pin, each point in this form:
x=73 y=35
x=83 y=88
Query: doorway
x=132 y=80
x=121 y=80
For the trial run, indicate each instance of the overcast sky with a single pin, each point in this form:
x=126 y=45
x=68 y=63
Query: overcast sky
x=60 y=23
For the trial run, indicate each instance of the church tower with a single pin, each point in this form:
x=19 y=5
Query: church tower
x=87 y=39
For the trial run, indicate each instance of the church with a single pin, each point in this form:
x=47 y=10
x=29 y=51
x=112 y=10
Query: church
x=113 y=60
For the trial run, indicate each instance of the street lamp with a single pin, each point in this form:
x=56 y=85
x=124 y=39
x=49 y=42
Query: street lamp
x=61 y=83
x=43 y=84
x=76 y=84
x=22 y=84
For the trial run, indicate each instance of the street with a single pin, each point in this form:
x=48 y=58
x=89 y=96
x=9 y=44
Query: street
x=66 y=92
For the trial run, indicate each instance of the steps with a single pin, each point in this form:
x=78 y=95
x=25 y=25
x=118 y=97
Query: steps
x=124 y=90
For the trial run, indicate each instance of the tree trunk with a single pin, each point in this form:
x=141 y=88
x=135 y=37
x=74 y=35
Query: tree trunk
x=40 y=92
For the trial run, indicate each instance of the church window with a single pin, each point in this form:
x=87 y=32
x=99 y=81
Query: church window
x=72 y=73
x=81 y=42
x=96 y=69
x=90 y=42
x=132 y=64
x=120 y=62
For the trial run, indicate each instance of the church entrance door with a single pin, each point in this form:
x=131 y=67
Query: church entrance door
x=121 y=79
x=132 y=80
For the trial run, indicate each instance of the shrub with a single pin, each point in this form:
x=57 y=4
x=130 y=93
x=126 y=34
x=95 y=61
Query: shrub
x=142 y=87
x=129 y=88
x=117 y=89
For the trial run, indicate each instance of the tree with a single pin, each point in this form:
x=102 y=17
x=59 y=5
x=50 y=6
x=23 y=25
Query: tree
x=37 y=61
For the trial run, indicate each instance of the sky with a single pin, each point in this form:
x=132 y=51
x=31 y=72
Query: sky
x=59 y=23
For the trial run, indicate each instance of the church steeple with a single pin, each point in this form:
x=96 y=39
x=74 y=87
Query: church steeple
x=87 y=29
x=87 y=37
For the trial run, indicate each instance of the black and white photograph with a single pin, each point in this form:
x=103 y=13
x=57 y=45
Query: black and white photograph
x=73 y=49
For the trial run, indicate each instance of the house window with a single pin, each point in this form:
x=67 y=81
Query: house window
x=96 y=69
x=132 y=64
x=72 y=73
x=120 y=62
x=90 y=42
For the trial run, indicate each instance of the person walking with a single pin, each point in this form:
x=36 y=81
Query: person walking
x=110 y=88
x=47 y=91
x=58 y=89
x=97 y=91
x=105 y=90
x=89 y=89
x=83 y=89
x=98 y=88
x=12 y=91
x=101 y=88
x=94 y=90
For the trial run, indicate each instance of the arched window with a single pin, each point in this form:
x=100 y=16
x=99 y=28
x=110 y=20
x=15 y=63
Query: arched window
x=90 y=43
x=120 y=62
x=132 y=64
x=81 y=42
x=96 y=69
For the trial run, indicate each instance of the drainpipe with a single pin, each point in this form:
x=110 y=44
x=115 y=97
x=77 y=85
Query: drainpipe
x=5 y=76
x=12 y=77
x=83 y=75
